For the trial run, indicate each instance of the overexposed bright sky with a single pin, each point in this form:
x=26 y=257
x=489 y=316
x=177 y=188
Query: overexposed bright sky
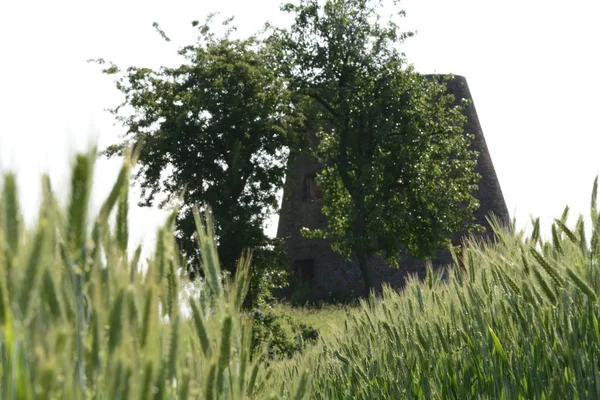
x=532 y=67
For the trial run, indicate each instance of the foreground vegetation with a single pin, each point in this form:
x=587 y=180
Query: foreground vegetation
x=81 y=319
x=81 y=316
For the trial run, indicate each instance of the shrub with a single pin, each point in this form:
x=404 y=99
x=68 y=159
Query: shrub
x=282 y=335
x=341 y=295
x=304 y=295
x=270 y=271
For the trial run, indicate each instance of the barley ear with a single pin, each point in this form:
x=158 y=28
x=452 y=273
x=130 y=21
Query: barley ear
x=454 y=257
x=121 y=222
x=81 y=182
x=594 y=205
x=242 y=280
x=429 y=275
x=545 y=287
x=147 y=381
x=525 y=263
x=201 y=330
x=12 y=223
x=566 y=230
x=172 y=290
x=48 y=202
x=582 y=237
x=302 y=386
x=550 y=270
x=565 y=215
x=147 y=316
x=116 y=322
x=209 y=394
x=97 y=337
x=535 y=235
x=581 y=284
x=184 y=387
x=471 y=263
x=173 y=349
x=4 y=303
x=556 y=241
x=246 y=337
x=133 y=266
x=35 y=262
x=224 y=352
x=210 y=261
x=251 y=388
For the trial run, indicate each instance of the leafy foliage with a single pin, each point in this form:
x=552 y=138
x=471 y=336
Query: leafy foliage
x=304 y=295
x=217 y=126
x=398 y=175
x=269 y=272
x=283 y=335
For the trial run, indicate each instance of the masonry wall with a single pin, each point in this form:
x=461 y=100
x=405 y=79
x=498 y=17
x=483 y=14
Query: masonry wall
x=333 y=274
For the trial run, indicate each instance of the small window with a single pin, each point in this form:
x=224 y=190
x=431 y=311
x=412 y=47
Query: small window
x=305 y=271
x=311 y=190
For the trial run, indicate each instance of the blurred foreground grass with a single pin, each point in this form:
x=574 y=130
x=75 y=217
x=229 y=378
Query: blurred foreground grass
x=79 y=319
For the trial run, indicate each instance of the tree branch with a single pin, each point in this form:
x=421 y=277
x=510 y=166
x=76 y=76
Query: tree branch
x=325 y=104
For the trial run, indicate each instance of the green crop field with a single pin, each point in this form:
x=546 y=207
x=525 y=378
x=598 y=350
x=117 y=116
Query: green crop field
x=82 y=317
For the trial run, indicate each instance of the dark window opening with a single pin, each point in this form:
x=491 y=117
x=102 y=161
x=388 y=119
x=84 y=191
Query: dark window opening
x=305 y=271
x=311 y=190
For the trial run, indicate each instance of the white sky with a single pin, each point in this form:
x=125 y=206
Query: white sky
x=531 y=67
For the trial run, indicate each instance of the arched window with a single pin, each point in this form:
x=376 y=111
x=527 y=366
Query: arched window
x=311 y=190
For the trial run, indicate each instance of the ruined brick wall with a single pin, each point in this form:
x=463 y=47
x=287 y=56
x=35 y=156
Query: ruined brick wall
x=329 y=272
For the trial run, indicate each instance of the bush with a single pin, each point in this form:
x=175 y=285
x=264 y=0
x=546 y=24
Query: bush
x=341 y=295
x=282 y=335
x=270 y=271
x=304 y=295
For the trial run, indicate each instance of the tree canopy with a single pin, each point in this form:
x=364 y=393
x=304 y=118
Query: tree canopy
x=398 y=173
x=216 y=131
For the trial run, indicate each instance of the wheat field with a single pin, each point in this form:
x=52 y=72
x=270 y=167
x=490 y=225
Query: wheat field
x=83 y=317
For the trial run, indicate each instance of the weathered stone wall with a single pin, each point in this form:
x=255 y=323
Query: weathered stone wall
x=331 y=272
x=489 y=193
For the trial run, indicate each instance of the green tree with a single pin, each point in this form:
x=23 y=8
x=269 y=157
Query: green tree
x=217 y=126
x=398 y=175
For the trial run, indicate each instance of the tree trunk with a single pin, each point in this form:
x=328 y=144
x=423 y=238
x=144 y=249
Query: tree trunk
x=365 y=269
x=360 y=248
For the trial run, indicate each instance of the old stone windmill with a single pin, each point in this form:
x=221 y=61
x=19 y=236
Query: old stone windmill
x=318 y=266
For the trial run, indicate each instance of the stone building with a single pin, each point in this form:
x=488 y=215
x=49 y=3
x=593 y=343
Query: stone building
x=317 y=265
